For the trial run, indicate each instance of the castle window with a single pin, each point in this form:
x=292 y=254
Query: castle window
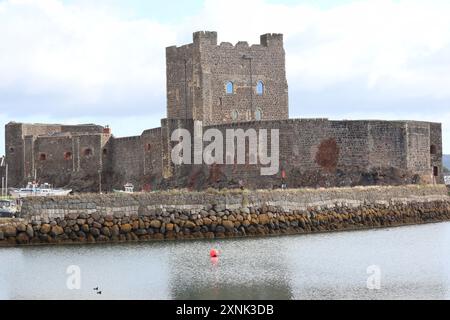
x=230 y=87
x=105 y=152
x=148 y=147
x=87 y=152
x=67 y=155
x=11 y=149
x=258 y=114
x=435 y=171
x=42 y=157
x=433 y=149
x=260 y=88
x=234 y=115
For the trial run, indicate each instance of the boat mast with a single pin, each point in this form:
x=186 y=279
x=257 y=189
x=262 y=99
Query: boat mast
x=6 y=181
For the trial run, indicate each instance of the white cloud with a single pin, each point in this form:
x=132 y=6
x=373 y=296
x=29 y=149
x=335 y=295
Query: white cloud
x=390 y=45
x=84 y=56
x=86 y=61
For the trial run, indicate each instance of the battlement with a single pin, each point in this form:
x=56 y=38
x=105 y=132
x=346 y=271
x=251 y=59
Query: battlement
x=272 y=39
x=208 y=37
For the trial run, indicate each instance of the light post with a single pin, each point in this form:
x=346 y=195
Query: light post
x=250 y=58
x=100 y=181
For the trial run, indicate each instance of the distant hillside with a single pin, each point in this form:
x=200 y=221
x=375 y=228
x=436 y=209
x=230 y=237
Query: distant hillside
x=446 y=160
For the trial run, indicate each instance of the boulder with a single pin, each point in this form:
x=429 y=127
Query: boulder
x=229 y=225
x=73 y=216
x=30 y=231
x=22 y=238
x=102 y=238
x=97 y=225
x=45 y=228
x=56 y=231
x=169 y=227
x=155 y=224
x=264 y=219
x=106 y=232
x=126 y=228
x=10 y=231
x=71 y=223
x=108 y=224
x=21 y=227
x=115 y=231
x=141 y=232
x=207 y=221
x=95 y=232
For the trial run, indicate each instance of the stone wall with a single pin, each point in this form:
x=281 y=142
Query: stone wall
x=313 y=153
x=213 y=214
x=324 y=153
x=51 y=152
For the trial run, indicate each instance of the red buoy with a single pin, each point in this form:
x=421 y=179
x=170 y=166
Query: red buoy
x=214 y=253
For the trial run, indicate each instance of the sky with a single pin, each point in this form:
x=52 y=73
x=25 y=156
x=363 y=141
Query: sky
x=103 y=61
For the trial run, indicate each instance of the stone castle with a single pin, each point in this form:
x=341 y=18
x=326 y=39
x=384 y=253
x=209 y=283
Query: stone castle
x=225 y=86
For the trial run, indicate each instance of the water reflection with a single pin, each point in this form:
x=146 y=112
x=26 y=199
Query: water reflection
x=414 y=264
x=245 y=269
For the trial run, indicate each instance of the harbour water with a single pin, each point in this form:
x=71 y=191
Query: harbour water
x=407 y=263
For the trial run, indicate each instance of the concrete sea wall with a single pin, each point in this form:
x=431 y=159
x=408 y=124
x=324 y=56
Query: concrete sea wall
x=213 y=214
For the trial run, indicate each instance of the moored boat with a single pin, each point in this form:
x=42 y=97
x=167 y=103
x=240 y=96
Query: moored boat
x=128 y=188
x=34 y=190
x=8 y=208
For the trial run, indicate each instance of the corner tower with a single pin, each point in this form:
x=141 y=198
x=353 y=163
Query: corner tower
x=227 y=83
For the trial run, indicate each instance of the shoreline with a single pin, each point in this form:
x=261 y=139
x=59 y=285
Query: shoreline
x=180 y=216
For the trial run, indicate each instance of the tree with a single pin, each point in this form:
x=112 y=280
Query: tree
x=446 y=170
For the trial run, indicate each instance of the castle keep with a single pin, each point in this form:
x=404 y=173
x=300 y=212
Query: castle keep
x=225 y=86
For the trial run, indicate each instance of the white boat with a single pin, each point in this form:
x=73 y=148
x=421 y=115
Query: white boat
x=33 y=190
x=8 y=208
x=128 y=188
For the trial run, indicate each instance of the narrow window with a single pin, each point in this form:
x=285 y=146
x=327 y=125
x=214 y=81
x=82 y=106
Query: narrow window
x=433 y=149
x=230 y=87
x=260 y=88
x=67 y=155
x=42 y=157
x=148 y=147
x=11 y=149
x=105 y=152
x=87 y=152
x=258 y=115
x=234 y=115
x=435 y=171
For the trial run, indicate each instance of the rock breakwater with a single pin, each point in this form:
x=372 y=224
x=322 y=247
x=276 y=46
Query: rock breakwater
x=91 y=219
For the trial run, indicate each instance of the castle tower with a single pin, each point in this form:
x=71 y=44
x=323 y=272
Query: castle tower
x=224 y=83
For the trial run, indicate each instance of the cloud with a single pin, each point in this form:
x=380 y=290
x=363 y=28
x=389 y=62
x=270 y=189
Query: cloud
x=79 y=60
x=67 y=61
